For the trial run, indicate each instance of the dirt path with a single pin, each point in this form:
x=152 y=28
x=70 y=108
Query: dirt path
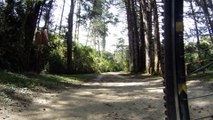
x=200 y=96
x=112 y=96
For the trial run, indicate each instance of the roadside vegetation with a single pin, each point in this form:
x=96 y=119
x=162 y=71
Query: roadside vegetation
x=47 y=81
x=208 y=76
x=21 y=87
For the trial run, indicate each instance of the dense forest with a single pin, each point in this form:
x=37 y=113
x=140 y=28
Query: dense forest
x=26 y=46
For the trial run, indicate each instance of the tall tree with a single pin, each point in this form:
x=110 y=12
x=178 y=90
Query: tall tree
x=48 y=12
x=147 y=17
x=142 y=55
x=136 y=36
x=203 y=5
x=70 y=37
x=78 y=14
x=157 y=45
x=130 y=34
x=196 y=29
x=33 y=9
x=62 y=15
x=195 y=22
x=99 y=17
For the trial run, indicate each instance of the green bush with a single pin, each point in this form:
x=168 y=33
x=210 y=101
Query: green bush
x=198 y=56
x=88 y=60
x=56 y=63
x=84 y=59
x=56 y=59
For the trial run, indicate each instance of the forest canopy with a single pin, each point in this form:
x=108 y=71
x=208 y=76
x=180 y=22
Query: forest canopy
x=26 y=46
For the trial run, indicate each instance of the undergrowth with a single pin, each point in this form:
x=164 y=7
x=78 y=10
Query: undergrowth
x=48 y=81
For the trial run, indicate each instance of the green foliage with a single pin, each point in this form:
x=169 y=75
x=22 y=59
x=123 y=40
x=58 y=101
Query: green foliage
x=98 y=15
x=197 y=56
x=87 y=60
x=84 y=59
x=56 y=59
x=56 y=62
x=15 y=50
x=12 y=36
x=121 y=55
x=18 y=54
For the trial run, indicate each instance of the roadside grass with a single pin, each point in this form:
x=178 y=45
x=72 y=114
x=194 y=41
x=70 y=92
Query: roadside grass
x=208 y=76
x=48 y=81
x=14 y=86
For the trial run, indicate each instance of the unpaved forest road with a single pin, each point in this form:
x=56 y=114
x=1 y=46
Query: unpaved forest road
x=111 y=96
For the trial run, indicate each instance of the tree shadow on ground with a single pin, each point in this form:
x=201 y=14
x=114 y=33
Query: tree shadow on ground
x=99 y=102
x=126 y=78
x=47 y=81
x=17 y=96
x=16 y=86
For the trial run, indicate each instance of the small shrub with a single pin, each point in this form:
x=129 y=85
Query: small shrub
x=56 y=62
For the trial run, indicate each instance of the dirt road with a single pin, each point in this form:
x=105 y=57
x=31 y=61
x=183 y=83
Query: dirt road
x=112 y=96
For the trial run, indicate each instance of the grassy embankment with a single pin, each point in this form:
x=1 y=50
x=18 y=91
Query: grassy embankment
x=47 y=81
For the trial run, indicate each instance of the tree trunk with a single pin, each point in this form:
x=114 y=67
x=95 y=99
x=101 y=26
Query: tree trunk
x=150 y=40
x=70 y=37
x=62 y=14
x=135 y=37
x=195 y=22
x=147 y=17
x=77 y=27
x=203 y=5
x=208 y=17
x=133 y=33
x=48 y=12
x=142 y=56
x=157 y=45
x=196 y=30
x=104 y=36
x=130 y=34
x=30 y=26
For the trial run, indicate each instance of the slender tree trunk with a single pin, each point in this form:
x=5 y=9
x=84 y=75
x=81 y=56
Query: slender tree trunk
x=151 y=41
x=203 y=5
x=196 y=29
x=70 y=37
x=195 y=22
x=47 y=19
x=209 y=30
x=104 y=36
x=157 y=45
x=130 y=34
x=62 y=14
x=40 y=14
x=208 y=17
x=88 y=33
x=99 y=46
x=77 y=27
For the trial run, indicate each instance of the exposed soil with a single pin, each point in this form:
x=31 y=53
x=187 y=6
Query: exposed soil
x=112 y=96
